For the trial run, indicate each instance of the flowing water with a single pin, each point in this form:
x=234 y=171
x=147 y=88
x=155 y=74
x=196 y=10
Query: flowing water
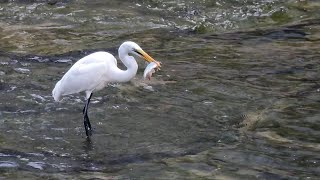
x=238 y=95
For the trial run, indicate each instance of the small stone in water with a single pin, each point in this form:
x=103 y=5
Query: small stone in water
x=150 y=88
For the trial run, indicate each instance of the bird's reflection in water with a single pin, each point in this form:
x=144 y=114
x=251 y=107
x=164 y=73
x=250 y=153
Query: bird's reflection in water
x=88 y=162
x=87 y=145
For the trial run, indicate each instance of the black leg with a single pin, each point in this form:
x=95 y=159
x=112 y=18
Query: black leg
x=86 y=121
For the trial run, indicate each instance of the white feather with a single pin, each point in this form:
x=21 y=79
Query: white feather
x=94 y=71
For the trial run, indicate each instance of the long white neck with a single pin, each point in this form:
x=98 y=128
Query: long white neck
x=130 y=63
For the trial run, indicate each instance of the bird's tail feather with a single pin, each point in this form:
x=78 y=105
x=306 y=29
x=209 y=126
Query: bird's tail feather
x=56 y=94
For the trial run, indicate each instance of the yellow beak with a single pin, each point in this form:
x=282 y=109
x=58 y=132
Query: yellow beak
x=149 y=58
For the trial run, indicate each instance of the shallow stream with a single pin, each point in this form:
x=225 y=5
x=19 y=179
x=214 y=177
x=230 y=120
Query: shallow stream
x=238 y=95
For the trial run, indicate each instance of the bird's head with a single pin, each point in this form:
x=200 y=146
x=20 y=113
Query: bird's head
x=134 y=49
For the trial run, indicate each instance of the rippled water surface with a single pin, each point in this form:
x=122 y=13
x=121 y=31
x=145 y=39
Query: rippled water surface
x=238 y=95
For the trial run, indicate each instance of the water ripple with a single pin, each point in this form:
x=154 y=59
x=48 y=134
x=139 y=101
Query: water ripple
x=37 y=165
x=8 y=164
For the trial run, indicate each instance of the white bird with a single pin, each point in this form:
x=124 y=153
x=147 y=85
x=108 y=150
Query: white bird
x=94 y=71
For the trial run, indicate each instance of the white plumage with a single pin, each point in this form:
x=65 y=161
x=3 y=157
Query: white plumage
x=94 y=71
x=91 y=73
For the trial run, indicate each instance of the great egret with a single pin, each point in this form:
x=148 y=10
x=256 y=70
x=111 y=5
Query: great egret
x=94 y=71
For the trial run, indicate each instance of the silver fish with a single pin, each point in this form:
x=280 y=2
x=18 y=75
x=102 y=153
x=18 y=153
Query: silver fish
x=150 y=70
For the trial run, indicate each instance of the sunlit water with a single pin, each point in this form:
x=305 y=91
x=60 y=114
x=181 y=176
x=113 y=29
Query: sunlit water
x=232 y=101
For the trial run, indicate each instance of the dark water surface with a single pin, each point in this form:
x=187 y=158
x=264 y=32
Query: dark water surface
x=238 y=96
